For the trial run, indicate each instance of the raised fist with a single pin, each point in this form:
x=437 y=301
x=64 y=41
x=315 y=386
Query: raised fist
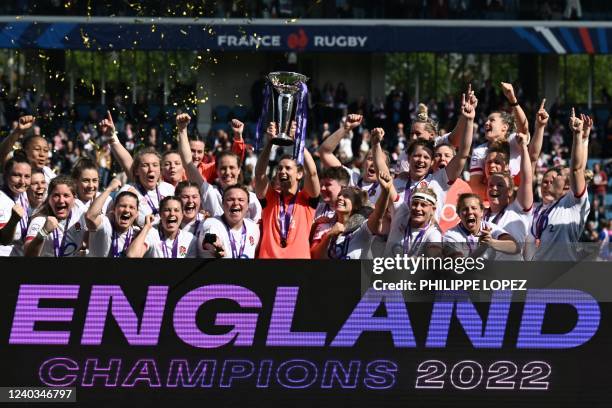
x=377 y=135
x=522 y=139
x=337 y=229
x=271 y=130
x=24 y=123
x=385 y=179
x=115 y=184
x=587 y=125
x=485 y=236
x=50 y=224
x=18 y=210
x=237 y=127
x=508 y=91
x=575 y=123
x=352 y=121
x=182 y=121
x=468 y=110
x=149 y=221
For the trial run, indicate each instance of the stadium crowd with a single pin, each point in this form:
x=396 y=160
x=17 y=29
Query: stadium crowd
x=482 y=184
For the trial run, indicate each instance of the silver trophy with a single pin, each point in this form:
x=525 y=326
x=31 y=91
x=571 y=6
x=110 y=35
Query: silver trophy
x=285 y=89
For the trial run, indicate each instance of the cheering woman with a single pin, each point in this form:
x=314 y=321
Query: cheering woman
x=14 y=206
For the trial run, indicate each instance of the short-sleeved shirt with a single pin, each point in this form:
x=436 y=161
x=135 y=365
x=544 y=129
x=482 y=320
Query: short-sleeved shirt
x=212 y=201
x=15 y=248
x=299 y=226
x=149 y=203
x=209 y=170
x=101 y=240
x=437 y=181
x=515 y=220
x=561 y=224
x=69 y=238
x=354 y=245
x=156 y=248
x=195 y=225
x=245 y=241
x=479 y=155
x=49 y=174
x=458 y=239
x=403 y=239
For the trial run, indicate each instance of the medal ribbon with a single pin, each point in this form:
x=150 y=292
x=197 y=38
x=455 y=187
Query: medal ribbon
x=285 y=216
x=59 y=248
x=235 y=253
x=126 y=244
x=411 y=247
x=371 y=190
x=488 y=213
x=469 y=238
x=541 y=220
x=174 y=252
x=145 y=194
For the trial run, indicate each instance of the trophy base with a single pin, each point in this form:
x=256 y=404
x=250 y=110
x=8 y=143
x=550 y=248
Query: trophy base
x=282 y=141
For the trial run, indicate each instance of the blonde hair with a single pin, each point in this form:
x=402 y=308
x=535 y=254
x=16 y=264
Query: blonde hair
x=423 y=117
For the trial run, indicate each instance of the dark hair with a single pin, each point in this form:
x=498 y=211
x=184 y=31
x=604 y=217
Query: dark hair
x=238 y=187
x=178 y=190
x=425 y=144
x=167 y=152
x=170 y=198
x=45 y=208
x=338 y=173
x=8 y=166
x=290 y=157
x=226 y=153
x=465 y=196
x=507 y=176
x=127 y=194
x=82 y=164
x=358 y=197
x=507 y=119
x=27 y=141
x=500 y=146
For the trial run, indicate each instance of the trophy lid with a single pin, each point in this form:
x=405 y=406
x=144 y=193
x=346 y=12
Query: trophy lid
x=286 y=80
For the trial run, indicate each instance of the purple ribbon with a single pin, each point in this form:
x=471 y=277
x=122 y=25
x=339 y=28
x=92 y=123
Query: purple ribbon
x=371 y=190
x=410 y=248
x=469 y=238
x=301 y=117
x=145 y=194
x=541 y=220
x=22 y=199
x=60 y=248
x=235 y=253
x=285 y=216
x=267 y=95
x=174 y=245
x=488 y=213
x=126 y=244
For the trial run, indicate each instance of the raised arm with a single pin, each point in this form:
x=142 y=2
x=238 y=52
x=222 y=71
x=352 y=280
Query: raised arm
x=587 y=125
x=311 y=178
x=138 y=247
x=535 y=146
x=380 y=159
x=261 y=178
x=238 y=145
x=459 y=130
x=93 y=217
x=33 y=247
x=579 y=155
x=23 y=124
x=326 y=150
x=524 y=195
x=193 y=174
x=374 y=220
x=456 y=165
x=107 y=127
x=522 y=126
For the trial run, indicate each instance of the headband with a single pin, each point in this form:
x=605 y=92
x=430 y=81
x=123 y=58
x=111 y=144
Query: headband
x=424 y=196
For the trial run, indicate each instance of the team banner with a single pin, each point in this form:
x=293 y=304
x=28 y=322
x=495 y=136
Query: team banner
x=251 y=35
x=154 y=332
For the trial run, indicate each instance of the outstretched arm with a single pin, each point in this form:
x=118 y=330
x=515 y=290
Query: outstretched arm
x=23 y=124
x=579 y=155
x=522 y=126
x=457 y=133
x=524 y=194
x=261 y=178
x=380 y=159
x=326 y=150
x=311 y=178
x=107 y=127
x=535 y=146
x=375 y=218
x=93 y=218
x=456 y=165
x=193 y=174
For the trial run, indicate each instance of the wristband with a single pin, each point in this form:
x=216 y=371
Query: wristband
x=43 y=234
x=514 y=104
x=114 y=138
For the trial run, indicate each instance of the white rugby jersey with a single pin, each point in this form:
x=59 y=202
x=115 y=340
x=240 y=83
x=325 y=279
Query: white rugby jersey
x=103 y=242
x=212 y=201
x=403 y=239
x=459 y=239
x=558 y=227
x=183 y=246
x=516 y=222
x=65 y=240
x=245 y=239
x=479 y=155
x=86 y=204
x=355 y=245
x=437 y=181
x=15 y=248
x=373 y=189
x=149 y=202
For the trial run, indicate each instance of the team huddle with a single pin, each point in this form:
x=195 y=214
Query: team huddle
x=177 y=206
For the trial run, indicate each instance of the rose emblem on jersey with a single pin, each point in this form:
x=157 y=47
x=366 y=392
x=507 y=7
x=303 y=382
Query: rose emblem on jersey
x=251 y=240
x=423 y=184
x=182 y=250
